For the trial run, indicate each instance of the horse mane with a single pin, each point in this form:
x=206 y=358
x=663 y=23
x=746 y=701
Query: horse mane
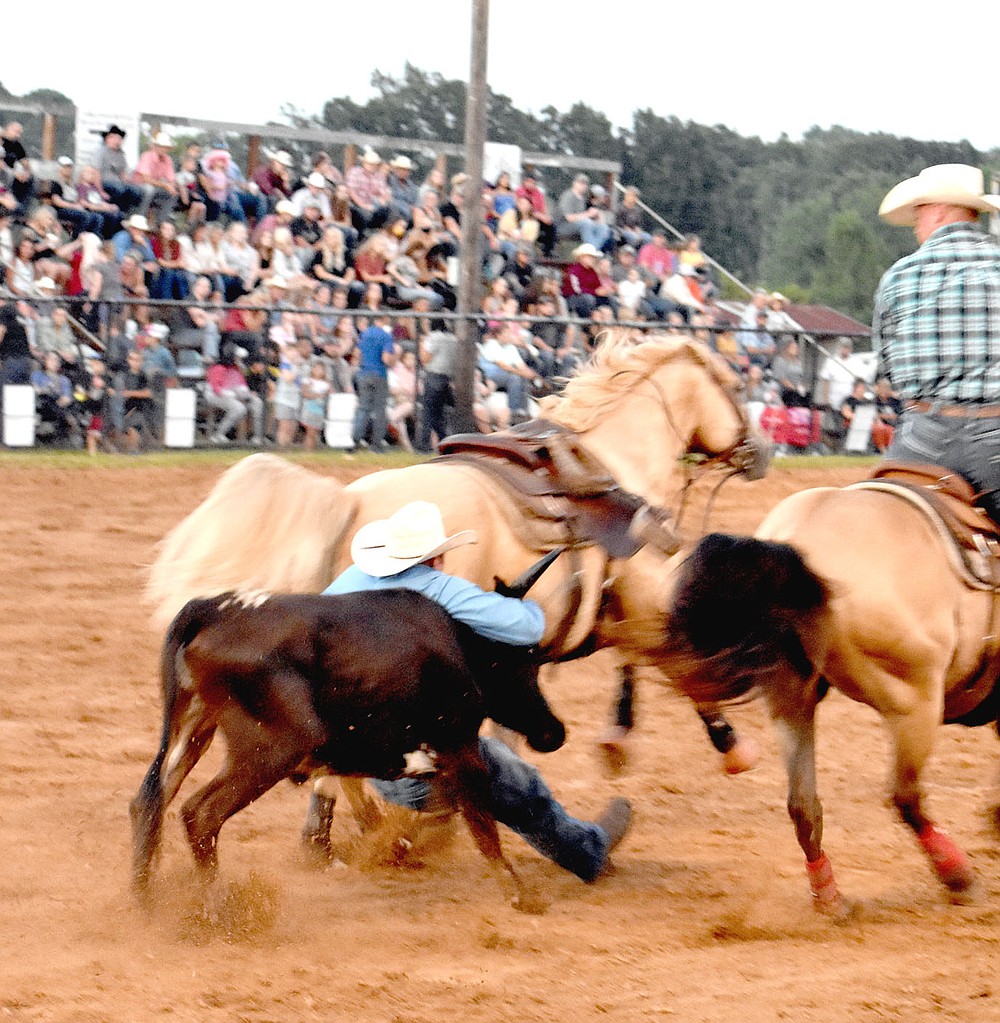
x=622 y=355
x=267 y=524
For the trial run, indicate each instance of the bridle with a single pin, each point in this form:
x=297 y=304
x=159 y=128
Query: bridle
x=743 y=457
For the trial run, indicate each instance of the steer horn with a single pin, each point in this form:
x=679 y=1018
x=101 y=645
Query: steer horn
x=520 y=586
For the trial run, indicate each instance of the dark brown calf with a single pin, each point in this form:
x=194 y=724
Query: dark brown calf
x=357 y=683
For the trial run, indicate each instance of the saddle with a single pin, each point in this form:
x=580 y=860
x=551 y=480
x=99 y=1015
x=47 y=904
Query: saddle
x=569 y=493
x=951 y=499
x=973 y=539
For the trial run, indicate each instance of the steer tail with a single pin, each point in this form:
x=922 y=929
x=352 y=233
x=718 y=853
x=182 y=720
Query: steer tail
x=184 y=737
x=267 y=524
x=745 y=613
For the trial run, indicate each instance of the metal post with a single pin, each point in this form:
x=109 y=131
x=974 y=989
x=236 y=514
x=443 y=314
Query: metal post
x=470 y=261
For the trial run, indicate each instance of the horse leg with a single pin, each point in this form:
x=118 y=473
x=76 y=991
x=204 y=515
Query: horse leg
x=913 y=737
x=793 y=710
x=471 y=783
x=739 y=752
x=613 y=742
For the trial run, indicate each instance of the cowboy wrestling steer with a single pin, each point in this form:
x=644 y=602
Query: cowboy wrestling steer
x=357 y=683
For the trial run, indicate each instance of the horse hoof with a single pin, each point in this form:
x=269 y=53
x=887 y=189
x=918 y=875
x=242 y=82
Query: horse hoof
x=744 y=756
x=614 y=750
x=970 y=895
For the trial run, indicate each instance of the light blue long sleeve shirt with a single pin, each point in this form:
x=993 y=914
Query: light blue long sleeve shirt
x=504 y=619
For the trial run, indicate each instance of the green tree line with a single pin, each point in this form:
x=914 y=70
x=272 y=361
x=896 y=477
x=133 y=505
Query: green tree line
x=796 y=216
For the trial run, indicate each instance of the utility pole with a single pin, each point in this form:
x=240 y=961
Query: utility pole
x=470 y=255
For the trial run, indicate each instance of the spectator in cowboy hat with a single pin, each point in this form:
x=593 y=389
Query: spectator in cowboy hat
x=274 y=178
x=134 y=237
x=313 y=190
x=369 y=192
x=155 y=175
x=582 y=286
x=936 y=326
x=114 y=171
x=405 y=192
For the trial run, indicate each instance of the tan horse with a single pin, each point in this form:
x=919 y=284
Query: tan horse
x=855 y=589
x=643 y=403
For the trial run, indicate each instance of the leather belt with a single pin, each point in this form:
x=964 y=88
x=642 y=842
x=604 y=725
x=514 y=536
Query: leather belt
x=959 y=411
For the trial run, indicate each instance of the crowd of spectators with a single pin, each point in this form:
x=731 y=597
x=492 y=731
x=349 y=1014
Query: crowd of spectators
x=335 y=253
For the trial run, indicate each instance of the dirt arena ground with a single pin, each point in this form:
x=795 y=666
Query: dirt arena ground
x=707 y=917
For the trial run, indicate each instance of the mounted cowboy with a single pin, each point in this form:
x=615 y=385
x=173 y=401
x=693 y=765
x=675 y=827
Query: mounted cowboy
x=936 y=327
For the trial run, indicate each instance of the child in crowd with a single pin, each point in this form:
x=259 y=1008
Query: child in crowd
x=288 y=395
x=315 y=390
x=631 y=292
x=94 y=409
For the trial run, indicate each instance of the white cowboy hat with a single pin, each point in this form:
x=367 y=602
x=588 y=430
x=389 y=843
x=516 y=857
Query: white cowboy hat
x=402 y=163
x=285 y=206
x=283 y=157
x=138 y=221
x=586 y=250
x=161 y=138
x=317 y=180
x=411 y=535
x=370 y=156
x=956 y=184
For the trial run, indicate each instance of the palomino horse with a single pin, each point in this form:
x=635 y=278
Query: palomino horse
x=641 y=404
x=856 y=589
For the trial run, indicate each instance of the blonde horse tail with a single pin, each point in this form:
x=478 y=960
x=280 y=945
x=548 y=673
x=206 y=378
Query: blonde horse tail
x=267 y=524
x=745 y=613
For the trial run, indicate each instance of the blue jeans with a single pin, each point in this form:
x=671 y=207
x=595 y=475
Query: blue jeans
x=590 y=232
x=373 y=396
x=970 y=447
x=520 y=799
x=437 y=398
x=515 y=386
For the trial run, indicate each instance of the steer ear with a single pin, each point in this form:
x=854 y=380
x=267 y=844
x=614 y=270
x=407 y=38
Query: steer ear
x=520 y=586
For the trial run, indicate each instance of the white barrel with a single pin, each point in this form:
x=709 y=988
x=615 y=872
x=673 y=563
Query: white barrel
x=19 y=415
x=340 y=409
x=179 y=417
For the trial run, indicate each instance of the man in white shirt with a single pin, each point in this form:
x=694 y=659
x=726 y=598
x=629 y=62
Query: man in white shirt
x=501 y=361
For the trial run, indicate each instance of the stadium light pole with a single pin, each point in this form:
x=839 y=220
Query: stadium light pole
x=470 y=259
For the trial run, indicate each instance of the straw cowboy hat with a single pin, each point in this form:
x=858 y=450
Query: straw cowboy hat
x=955 y=184
x=586 y=250
x=411 y=535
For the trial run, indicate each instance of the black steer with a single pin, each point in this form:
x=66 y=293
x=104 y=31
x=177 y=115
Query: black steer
x=354 y=682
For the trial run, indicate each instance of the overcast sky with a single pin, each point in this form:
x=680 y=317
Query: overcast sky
x=760 y=68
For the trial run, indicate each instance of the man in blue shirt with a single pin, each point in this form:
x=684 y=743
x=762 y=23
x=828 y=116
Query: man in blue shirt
x=407 y=550
x=936 y=327
x=377 y=353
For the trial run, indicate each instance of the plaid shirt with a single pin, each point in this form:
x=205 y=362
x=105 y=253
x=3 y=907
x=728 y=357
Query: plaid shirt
x=936 y=325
